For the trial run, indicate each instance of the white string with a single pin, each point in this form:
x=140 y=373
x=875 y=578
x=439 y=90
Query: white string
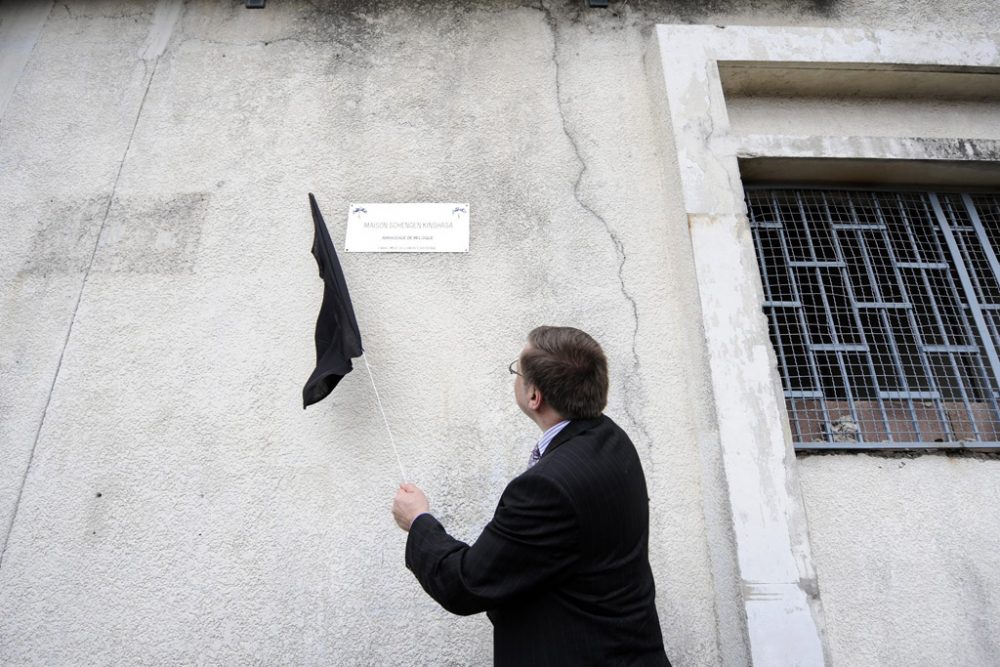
x=379 y=400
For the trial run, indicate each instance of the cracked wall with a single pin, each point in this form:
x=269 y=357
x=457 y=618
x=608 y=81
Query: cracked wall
x=163 y=497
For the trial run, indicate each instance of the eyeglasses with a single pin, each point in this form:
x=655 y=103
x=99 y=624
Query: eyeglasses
x=511 y=368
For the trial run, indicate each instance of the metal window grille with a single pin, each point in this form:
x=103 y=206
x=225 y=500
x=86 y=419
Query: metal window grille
x=884 y=313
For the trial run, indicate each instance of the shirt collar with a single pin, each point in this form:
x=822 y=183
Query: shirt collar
x=549 y=435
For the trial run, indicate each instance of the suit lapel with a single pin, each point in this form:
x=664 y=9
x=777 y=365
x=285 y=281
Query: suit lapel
x=571 y=430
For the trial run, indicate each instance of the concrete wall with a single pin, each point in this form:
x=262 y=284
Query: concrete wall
x=163 y=497
x=907 y=551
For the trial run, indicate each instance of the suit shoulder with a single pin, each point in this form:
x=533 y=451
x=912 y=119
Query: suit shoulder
x=534 y=484
x=604 y=438
x=592 y=457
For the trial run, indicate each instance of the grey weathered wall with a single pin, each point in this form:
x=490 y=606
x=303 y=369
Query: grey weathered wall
x=163 y=497
x=908 y=555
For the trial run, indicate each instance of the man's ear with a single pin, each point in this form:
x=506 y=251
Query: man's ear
x=534 y=398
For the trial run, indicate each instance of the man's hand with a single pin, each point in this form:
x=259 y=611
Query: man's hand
x=410 y=502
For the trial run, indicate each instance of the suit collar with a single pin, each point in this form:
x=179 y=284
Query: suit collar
x=574 y=428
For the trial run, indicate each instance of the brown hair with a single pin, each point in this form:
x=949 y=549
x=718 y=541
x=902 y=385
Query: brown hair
x=570 y=370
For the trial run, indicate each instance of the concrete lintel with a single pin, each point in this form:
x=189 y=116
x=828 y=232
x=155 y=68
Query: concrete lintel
x=863 y=148
x=833 y=47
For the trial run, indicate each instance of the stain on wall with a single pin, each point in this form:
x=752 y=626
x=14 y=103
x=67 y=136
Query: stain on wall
x=66 y=230
x=153 y=235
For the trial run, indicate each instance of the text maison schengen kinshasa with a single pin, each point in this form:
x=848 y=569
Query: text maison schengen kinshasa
x=409 y=225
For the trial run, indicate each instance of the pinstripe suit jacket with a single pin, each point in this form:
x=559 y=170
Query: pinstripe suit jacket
x=562 y=568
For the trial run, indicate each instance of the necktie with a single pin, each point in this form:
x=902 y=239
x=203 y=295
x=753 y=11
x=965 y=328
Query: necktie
x=535 y=455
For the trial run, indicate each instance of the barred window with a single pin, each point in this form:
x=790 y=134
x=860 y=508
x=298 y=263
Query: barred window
x=884 y=313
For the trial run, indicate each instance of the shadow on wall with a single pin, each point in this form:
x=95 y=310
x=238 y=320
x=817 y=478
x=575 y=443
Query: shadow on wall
x=694 y=8
x=655 y=10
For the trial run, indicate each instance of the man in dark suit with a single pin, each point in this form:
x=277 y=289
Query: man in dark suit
x=562 y=568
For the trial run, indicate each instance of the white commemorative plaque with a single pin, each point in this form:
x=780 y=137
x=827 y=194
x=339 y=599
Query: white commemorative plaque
x=407 y=228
